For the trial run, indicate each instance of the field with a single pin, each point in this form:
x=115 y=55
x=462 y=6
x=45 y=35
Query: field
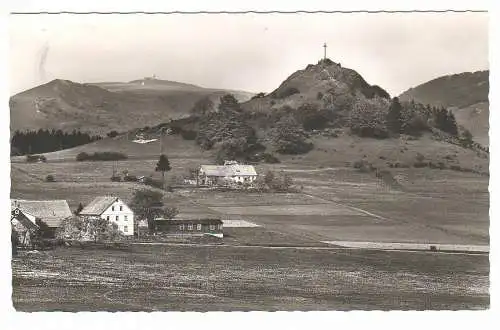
x=283 y=263
x=167 y=278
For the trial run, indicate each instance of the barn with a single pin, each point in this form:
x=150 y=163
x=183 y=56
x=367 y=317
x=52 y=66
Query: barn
x=24 y=226
x=48 y=215
x=190 y=226
x=229 y=173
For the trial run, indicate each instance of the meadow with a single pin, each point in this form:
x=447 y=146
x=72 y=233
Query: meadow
x=230 y=278
x=427 y=205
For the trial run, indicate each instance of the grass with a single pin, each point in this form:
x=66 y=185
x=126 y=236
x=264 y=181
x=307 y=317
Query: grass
x=435 y=206
x=149 y=278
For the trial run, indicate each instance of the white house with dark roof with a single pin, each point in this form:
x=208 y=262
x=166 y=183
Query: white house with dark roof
x=112 y=209
x=50 y=212
x=230 y=172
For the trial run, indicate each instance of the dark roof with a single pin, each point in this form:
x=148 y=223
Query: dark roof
x=51 y=212
x=98 y=205
x=192 y=220
x=23 y=219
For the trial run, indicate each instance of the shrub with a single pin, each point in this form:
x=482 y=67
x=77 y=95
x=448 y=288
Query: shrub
x=35 y=158
x=363 y=166
x=286 y=93
x=100 y=156
x=130 y=178
x=419 y=164
x=50 y=178
x=188 y=135
x=420 y=157
x=116 y=178
x=112 y=134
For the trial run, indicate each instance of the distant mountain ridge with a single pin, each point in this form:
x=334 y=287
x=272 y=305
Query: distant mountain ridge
x=102 y=107
x=466 y=94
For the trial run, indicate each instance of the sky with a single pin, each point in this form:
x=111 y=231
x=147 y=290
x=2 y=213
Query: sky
x=249 y=52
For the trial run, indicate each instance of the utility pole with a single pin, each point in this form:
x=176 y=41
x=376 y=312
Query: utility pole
x=324 y=46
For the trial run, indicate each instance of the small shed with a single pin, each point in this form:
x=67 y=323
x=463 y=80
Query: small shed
x=190 y=226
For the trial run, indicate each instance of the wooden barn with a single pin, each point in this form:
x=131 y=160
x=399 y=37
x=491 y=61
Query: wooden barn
x=48 y=215
x=190 y=226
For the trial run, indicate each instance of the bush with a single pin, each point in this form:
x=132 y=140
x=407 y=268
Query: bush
x=35 y=158
x=116 y=178
x=112 y=134
x=286 y=93
x=50 y=178
x=100 y=156
x=148 y=181
x=419 y=164
x=188 y=135
x=130 y=178
x=363 y=166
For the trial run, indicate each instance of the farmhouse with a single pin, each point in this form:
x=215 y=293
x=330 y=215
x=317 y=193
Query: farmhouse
x=190 y=226
x=24 y=226
x=112 y=209
x=47 y=215
x=230 y=172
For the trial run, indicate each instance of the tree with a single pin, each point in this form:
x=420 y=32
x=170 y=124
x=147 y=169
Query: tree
x=99 y=229
x=466 y=139
x=394 y=121
x=288 y=137
x=202 y=106
x=228 y=103
x=79 y=209
x=163 y=165
x=148 y=204
x=368 y=118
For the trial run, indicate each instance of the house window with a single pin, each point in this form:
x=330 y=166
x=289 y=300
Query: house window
x=220 y=227
x=125 y=217
x=107 y=218
x=112 y=208
x=121 y=208
x=181 y=227
x=190 y=227
x=198 y=226
x=117 y=218
x=212 y=227
x=125 y=229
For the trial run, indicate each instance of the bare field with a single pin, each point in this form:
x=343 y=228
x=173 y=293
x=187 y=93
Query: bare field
x=153 y=278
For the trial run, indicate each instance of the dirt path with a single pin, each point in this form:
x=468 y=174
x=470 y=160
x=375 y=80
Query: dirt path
x=397 y=247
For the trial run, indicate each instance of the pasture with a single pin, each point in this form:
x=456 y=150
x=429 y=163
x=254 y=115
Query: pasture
x=428 y=206
x=230 y=278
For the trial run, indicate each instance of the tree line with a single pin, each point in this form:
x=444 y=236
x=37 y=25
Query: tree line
x=44 y=140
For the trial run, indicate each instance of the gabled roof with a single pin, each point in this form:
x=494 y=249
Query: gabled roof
x=21 y=217
x=51 y=212
x=98 y=205
x=228 y=170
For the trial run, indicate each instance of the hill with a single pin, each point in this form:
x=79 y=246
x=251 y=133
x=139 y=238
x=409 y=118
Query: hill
x=466 y=94
x=102 y=107
x=325 y=115
x=327 y=83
